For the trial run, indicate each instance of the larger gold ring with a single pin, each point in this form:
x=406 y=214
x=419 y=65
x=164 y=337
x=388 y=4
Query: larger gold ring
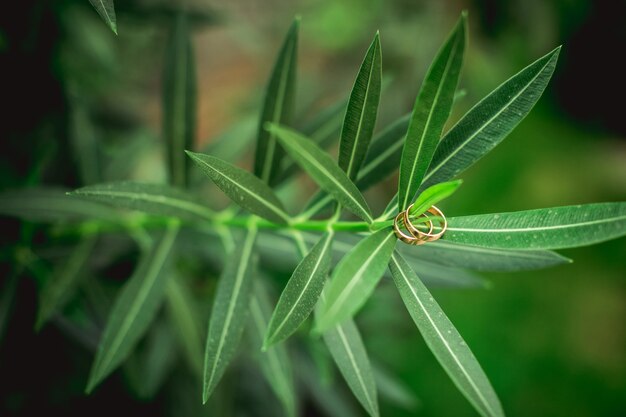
x=416 y=236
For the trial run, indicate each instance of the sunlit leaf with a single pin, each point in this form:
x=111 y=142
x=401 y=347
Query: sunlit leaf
x=274 y=361
x=107 y=12
x=298 y=298
x=179 y=99
x=433 y=195
x=229 y=312
x=358 y=124
x=444 y=340
x=242 y=187
x=430 y=113
x=278 y=106
x=355 y=278
x=156 y=199
x=134 y=308
x=560 y=227
x=60 y=284
x=324 y=171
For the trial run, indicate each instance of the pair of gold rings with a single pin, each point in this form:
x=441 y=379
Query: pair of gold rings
x=414 y=235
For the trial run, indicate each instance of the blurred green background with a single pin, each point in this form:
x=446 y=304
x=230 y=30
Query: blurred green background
x=552 y=342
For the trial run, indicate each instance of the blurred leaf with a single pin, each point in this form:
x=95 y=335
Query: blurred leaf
x=430 y=113
x=444 y=340
x=185 y=320
x=393 y=389
x=483 y=259
x=434 y=194
x=358 y=124
x=278 y=106
x=147 y=369
x=43 y=204
x=61 y=283
x=355 y=278
x=346 y=347
x=85 y=145
x=560 y=227
x=487 y=123
x=242 y=187
x=301 y=292
x=440 y=276
x=106 y=11
x=234 y=141
x=134 y=308
x=179 y=99
x=275 y=362
x=156 y=199
x=229 y=312
x=324 y=171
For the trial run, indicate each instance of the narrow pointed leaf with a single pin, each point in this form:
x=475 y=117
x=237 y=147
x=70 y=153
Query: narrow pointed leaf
x=479 y=258
x=430 y=113
x=242 y=187
x=185 y=321
x=488 y=122
x=560 y=227
x=439 y=276
x=275 y=362
x=346 y=347
x=62 y=282
x=444 y=340
x=44 y=204
x=491 y=120
x=355 y=278
x=381 y=160
x=434 y=194
x=179 y=99
x=323 y=170
x=134 y=308
x=107 y=12
x=301 y=292
x=278 y=107
x=358 y=124
x=156 y=199
x=229 y=313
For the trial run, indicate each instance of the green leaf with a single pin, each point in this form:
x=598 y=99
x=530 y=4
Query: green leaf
x=439 y=276
x=434 y=194
x=301 y=292
x=355 y=278
x=346 y=347
x=383 y=158
x=242 y=187
x=62 y=282
x=487 y=123
x=560 y=227
x=444 y=340
x=134 y=308
x=51 y=205
x=229 y=312
x=278 y=106
x=106 y=11
x=323 y=170
x=430 y=113
x=156 y=199
x=358 y=124
x=490 y=120
x=483 y=259
x=393 y=389
x=179 y=99
x=185 y=320
x=275 y=362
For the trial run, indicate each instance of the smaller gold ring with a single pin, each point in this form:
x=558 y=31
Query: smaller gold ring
x=444 y=225
x=410 y=239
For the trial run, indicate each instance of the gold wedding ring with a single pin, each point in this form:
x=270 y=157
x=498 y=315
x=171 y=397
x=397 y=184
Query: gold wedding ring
x=416 y=236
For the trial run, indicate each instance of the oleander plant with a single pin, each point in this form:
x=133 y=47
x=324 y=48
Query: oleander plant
x=255 y=287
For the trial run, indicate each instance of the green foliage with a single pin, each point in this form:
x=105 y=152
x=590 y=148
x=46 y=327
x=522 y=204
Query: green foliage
x=185 y=244
x=107 y=12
